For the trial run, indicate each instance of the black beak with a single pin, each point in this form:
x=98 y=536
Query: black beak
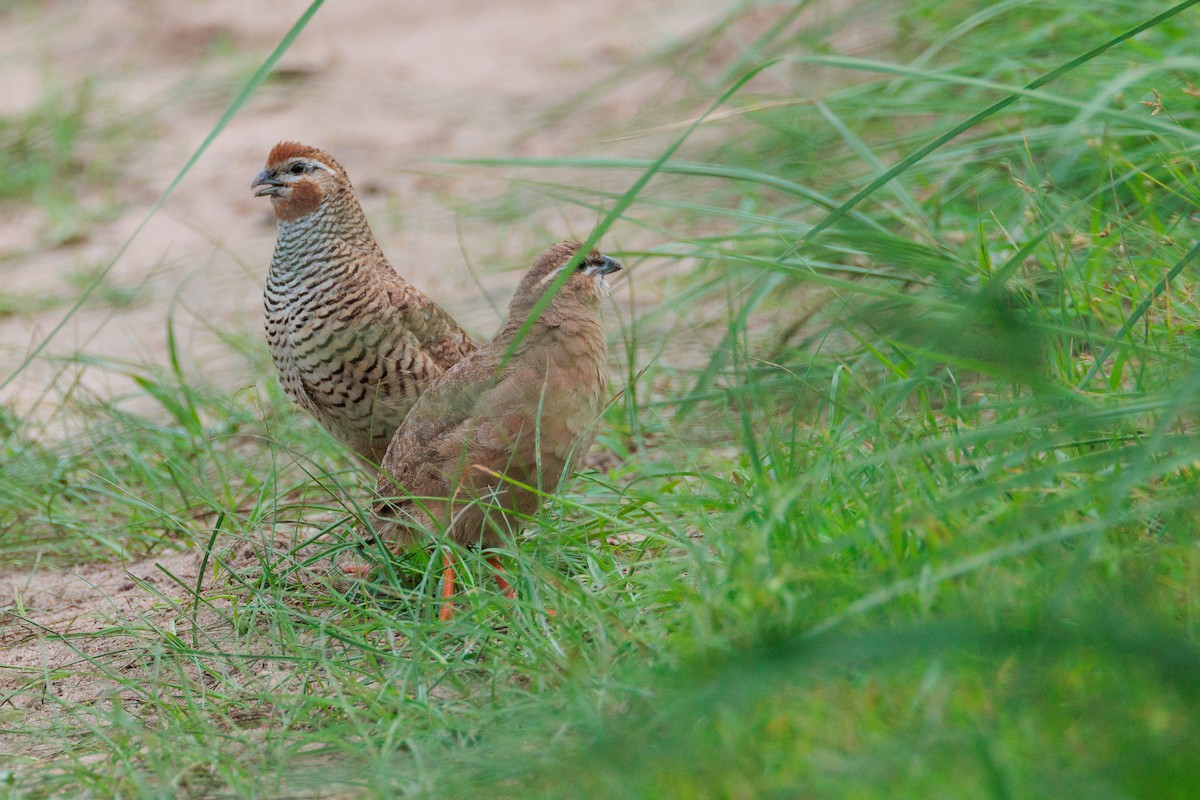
x=607 y=266
x=268 y=181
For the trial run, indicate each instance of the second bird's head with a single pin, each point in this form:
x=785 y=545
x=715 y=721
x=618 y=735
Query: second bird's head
x=298 y=179
x=585 y=284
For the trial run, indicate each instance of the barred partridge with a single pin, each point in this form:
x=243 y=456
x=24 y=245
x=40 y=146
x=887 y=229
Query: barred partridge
x=498 y=422
x=354 y=342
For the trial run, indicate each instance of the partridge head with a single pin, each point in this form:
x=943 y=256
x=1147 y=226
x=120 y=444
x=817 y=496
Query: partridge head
x=354 y=342
x=299 y=179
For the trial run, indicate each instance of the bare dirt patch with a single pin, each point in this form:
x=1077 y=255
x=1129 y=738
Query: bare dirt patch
x=80 y=645
x=72 y=638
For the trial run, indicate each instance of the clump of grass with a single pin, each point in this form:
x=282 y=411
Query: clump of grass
x=44 y=160
x=41 y=148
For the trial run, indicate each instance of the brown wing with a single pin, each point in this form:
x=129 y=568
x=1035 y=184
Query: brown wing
x=425 y=456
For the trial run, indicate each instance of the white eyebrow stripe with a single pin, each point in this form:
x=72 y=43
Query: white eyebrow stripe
x=307 y=161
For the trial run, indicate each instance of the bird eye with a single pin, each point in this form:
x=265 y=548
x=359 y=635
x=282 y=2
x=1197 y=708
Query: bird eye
x=297 y=169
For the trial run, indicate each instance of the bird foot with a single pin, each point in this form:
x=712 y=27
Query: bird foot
x=506 y=588
x=446 y=612
x=357 y=570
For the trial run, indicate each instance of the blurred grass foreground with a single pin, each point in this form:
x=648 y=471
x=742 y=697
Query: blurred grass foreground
x=905 y=498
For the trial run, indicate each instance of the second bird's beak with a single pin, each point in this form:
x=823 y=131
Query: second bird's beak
x=607 y=266
x=269 y=183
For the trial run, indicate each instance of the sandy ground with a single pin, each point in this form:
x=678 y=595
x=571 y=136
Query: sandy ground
x=383 y=85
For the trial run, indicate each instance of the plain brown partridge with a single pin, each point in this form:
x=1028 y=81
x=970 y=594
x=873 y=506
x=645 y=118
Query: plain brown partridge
x=504 y=426
x=354 y=342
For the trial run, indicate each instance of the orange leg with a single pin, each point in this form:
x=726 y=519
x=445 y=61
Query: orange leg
x=505 y=587
x=447 y=611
